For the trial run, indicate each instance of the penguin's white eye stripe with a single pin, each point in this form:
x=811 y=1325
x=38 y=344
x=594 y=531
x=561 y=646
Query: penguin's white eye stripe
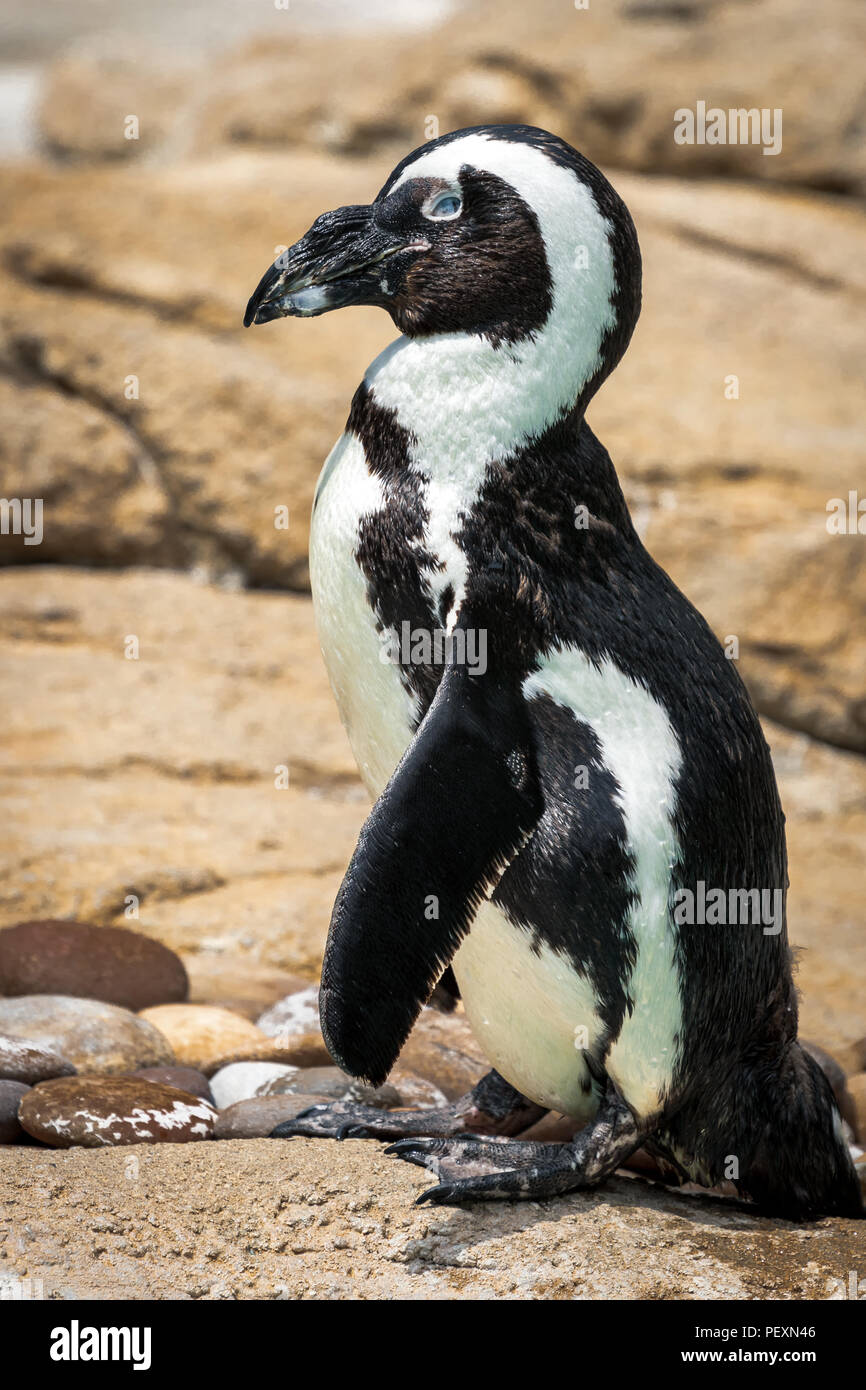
x=442 y=207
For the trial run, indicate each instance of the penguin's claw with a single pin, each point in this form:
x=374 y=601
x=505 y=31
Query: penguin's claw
x=419 y=1151
x=340 y=1120
x=465 y=1157
x=441 y=1196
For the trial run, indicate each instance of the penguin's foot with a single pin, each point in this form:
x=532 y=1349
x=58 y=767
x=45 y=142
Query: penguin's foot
x=491 y=1107
x=347 y=1120
x=484 y=1169
x=464 y=1156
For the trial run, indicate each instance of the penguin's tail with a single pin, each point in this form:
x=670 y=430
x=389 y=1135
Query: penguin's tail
x=800 y=1167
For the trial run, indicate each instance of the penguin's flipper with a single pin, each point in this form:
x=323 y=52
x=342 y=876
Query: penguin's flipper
x=461 y=803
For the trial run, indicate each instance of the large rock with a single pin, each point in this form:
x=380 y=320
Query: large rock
x=170 y=821
x=108 y=963
x=608 y=77
x=311 y=1219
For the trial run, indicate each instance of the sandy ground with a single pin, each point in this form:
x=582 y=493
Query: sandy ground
x=256 y=1219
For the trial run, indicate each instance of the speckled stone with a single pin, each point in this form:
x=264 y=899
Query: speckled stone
x=96 y=1037
x=100 y=1112
x=10 y=1098
x=183 y=1078
x=23 y=1061
x=294 y=1015
x=108 y=963
x=256 y=1117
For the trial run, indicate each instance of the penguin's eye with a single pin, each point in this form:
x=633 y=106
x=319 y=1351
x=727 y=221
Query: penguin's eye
x=444 y=206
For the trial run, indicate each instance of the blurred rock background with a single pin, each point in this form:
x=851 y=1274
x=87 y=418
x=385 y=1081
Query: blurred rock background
x=162 y=437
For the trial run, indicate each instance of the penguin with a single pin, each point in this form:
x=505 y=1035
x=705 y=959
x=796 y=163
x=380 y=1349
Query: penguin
x=566 y=769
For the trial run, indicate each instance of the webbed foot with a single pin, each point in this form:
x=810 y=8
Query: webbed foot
x=473 y=1169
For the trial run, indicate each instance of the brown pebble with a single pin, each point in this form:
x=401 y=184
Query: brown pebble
x=442 y=1048
x=304 y=1050
x=99 y=1112
x=183 y=1078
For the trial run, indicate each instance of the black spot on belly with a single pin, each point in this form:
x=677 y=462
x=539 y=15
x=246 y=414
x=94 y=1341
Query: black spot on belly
x=390 y=549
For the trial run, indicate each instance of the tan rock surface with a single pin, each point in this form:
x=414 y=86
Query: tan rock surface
x=287 y=1219
x=608 y=77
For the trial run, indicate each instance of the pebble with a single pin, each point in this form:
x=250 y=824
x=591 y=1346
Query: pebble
x=334 y=1084
x=202 y=1034
x=296 y=1014
x=183 y=1078
x=257 y=1117
x=10 y=1098
x=98 y=1112
x=416 y=1092
x=240 y=1080
x=21 y=1061
x=305 y=1050
x=95 y=1037
x=108 y=963
x=232 y=982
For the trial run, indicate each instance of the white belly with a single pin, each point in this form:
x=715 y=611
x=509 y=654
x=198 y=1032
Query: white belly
x=530 y=1012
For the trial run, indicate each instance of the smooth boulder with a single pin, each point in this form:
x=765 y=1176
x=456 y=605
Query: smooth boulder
x=109 y=963
x=95 y=1037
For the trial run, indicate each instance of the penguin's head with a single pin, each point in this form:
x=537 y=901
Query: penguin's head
x=490 y=232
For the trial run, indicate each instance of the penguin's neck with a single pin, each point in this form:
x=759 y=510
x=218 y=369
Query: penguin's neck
x=455 y=407
x=465 y=403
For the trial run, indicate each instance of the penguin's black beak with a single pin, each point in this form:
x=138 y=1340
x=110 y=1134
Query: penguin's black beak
x=345 y=258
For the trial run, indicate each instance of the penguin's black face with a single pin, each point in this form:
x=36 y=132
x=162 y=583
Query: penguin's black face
x=441 y=255
x=484 y=269
x=504 y=234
